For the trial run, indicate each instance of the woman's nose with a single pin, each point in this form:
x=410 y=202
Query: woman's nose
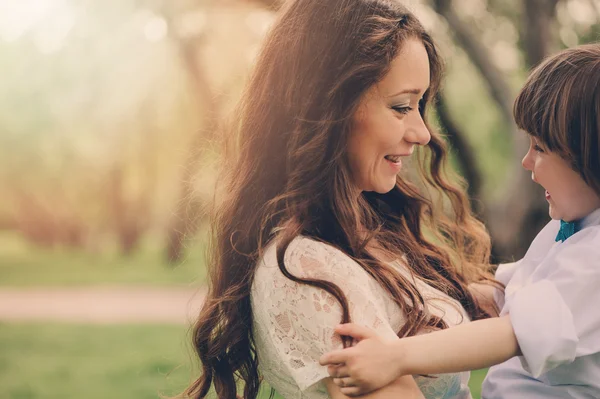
x=417 y=132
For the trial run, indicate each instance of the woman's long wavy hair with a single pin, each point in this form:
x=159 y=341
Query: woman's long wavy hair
x=286 y=170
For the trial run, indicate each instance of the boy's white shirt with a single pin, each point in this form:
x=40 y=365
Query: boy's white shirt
x=553 y=298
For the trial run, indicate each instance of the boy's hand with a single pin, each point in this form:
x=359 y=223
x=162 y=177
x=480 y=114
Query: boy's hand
x=371 y=364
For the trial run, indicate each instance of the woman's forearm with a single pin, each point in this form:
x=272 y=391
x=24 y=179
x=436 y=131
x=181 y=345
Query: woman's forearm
x=471 y=346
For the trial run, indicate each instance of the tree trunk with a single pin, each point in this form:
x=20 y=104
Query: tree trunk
x=126 y=218
x=463 y=150
x=189 y=209
x=538 y=32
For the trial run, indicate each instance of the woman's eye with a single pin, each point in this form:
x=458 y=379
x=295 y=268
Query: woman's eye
x=402 y=110
x=537 y=148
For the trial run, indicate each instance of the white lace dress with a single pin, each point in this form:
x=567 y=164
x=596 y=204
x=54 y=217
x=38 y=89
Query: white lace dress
x=293 y=323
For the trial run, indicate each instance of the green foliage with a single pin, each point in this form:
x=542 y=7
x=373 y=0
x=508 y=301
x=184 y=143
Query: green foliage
x=101 y=99
x=475 y=113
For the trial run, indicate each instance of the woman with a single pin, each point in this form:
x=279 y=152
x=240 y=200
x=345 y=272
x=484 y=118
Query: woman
x=316 y=227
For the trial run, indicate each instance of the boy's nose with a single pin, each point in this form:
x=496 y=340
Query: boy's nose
x=526 y=162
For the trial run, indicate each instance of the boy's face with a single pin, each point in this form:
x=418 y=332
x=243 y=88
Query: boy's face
x=568 y=196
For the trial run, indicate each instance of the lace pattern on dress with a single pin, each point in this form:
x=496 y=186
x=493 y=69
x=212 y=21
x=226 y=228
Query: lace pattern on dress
x=293 y=323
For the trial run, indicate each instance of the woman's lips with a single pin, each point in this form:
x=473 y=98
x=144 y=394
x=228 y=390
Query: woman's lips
x=396 y=166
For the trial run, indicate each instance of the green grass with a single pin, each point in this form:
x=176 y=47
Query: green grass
x=47 y=361
x=22 y=264
x=52 y=361
x=475 y=382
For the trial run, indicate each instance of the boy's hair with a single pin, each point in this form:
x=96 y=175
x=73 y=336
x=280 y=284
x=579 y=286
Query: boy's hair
x=560 y=105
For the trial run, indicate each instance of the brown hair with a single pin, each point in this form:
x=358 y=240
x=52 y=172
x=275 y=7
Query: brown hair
x=286 y=168
x=560 y=105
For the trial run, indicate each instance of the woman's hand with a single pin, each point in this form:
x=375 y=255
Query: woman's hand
x=371 y=364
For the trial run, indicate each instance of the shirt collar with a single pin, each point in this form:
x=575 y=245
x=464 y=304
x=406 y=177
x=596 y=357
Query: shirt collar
x=590 y=220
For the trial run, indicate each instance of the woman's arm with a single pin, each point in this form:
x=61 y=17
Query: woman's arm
x=374 y=362
x=294 y=314
x=404 y=387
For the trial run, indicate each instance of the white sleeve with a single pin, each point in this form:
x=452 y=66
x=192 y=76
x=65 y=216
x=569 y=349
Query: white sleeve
x=537 y=250
x=556 y=317
x=505 y=271
x=299 y=319
x=503 y=274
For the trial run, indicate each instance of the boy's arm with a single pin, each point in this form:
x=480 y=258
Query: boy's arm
x=476 y=345
x=373 y=362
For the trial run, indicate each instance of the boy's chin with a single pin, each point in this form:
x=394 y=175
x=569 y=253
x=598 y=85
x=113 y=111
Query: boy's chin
x=554 y=213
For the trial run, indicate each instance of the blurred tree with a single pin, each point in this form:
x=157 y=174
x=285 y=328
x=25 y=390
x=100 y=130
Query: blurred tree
x=539 y=33
x=102 y=144
x=189 y=209
x=89 y=136
x=460 y=145
x=191 y=44
x=130 y=216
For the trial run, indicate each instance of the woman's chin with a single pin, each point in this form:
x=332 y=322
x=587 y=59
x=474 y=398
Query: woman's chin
x=386 y=187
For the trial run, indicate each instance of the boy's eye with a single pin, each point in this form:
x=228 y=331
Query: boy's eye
x=402 y=109
x=537 y=148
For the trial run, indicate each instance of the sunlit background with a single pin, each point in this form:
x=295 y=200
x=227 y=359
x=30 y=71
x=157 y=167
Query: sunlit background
x=110 y=112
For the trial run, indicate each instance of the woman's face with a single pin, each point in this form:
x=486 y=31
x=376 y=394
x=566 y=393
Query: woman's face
x=388 y=125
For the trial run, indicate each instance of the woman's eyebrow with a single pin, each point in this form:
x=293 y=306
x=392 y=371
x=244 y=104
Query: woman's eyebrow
x=407 y=91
